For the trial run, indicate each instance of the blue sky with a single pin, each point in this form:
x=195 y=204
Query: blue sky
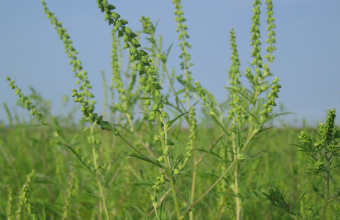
x=307 y=56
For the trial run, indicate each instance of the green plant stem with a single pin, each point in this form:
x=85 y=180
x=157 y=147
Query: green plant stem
x=191 y=214
x=225 y=172
x=131 y=145
x=221 y=208
x=173 y=189
x=323 y=215
x=100 y=185
x=173 y=89
x=168 y=168
x=210 y=188
x=235 y=176
x=213 y=144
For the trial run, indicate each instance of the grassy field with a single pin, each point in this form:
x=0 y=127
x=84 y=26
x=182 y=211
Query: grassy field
x=60 y=177
x=165 y=154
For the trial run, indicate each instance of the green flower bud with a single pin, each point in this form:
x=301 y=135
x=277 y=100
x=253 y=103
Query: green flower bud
x=158 y=94
x=124 y=22
x=160 y=159
x=147 y=88
x=107 y=16
x=165 y=115
x=115 y=15
x=118 y=23
x=126 y=45
x=127 y=30
x=176 y=172
x=111 y=7
x=125 y=38
x=156 y=139
x=166 y=153
x=147 y=102
x=152 y=118
x=157 y=86
x=162 y=134
x=133 y=50
x=140 y=67
x=155 y=107
x=17 y=91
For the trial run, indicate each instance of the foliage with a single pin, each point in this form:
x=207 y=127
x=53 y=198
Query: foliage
x=148 y=165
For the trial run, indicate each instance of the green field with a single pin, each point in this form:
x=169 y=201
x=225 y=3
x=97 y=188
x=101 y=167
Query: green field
x=157 y=153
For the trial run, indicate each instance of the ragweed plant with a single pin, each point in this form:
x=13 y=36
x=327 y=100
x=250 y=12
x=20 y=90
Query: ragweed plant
x=140 y=109
x=322 y=149
x=25 y=199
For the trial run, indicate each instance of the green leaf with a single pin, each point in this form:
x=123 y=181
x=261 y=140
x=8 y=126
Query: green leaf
x=147 y=160
x=44 y=214
x=175 y=151
x=80 y=158
x=168 y=51
x=117 y=217
x=169 y=123
x=243 y=156
x=231 y=90
x=105 y=125
x=217 y=122
x=127 y=214
x=145 y=183
x=141 y=213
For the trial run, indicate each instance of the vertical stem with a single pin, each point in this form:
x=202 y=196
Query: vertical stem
x=238 y=208
x=100 y=185
x=221 y=208
x=191 y=214
x=323 y=215
x=168 y=166
x=235 y=175
x=173 y=189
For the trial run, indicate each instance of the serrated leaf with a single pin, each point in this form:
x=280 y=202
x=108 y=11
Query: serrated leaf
x=239 y=92
x=242 y=156
x=80 y=159
x=217 y=122
x=168 y=51
x=141 y=213
x=127 y=214
x=169 y=123
x=105 y=125
x=145 y=183
x=147 y=160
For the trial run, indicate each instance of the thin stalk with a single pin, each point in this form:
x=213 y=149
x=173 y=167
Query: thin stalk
x=225 y=172
x=238 y=208
x=100 y=185
x=173 y=89
x=160 y=201
x=210 y=188
x=173 y=189
x=323 y=215
x=165 y=147
x=221 y=208
x=201 y=157
x=131 y=145
x=191 y=214
x=168 y=168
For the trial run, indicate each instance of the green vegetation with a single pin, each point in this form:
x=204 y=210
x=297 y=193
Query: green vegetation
x=137 y=161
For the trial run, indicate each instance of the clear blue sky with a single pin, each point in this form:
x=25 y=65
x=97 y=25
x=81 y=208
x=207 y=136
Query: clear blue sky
x=307 y=56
